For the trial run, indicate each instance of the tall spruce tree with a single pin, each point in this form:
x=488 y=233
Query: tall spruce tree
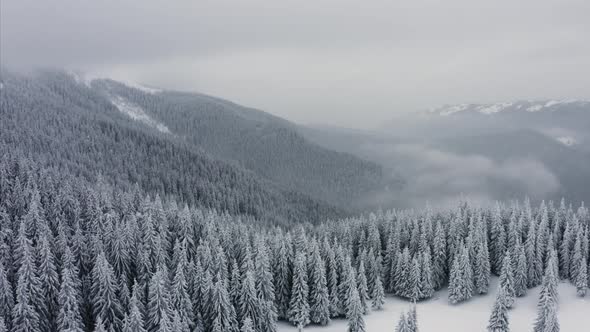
x=547 y=306
x=461 y=279
x=298 y=313
x=507 y=280
x=499 y=318
x=319 y=300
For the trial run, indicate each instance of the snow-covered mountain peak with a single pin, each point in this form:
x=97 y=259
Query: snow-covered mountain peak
x=517 y=106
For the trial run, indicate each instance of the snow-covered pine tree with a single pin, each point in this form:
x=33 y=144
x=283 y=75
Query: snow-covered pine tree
x=533 y=275
x=247 y=325
x=499 y=318
x=439 y=259
x=6 y=295
x=581 y=281
x=319 y=300
x=158 y=306
x=461 y=279
x=298 y=313
x=565 y=249
x=426 y=283
x=354 y=307
x=69 y=318
x=134 y=320
x=249 y=302
x=179 y=296
x=99 y=326
x=546 y=320
x=105 y=302
x=413 y=319
x=402 y=324
x=481 y=270
x=520 y=274
x=49 y=282
x=378 y=296
x=362 y=287
x=414 y=292
x=332 y=280
x=498 y=239
x=24 y=316
x=283 y=279
x=507 y=280
x=221 y=313
x=402 y=273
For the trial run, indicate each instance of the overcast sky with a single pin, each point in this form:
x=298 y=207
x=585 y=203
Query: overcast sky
x=339 y=62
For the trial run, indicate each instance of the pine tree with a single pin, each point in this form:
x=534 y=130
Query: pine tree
x=507 y=281
x=222 y=315
x=134 y=321
x=378 y=295
x=6 y=295
x=461 y=279
x=520 y=274
x=49 y=281
x=354 y=308
x=24 y=316
x=413 y=319
x=402 y=325
x=298 y=307
x=362 y=288
x=99 y=326
x=247 y=325
x=332 y=279
x=547 y=307
x=498 y=240
x=249 y=304
x=414 y=292
x=499 y=317
x=69 y=317
x=582 y=278
x=179 y=296
x=283 y=282
x=105 y=302
x=2 y=325
x=481 y=270
x=439 y=266
x=533 y=275
x=319 y=300
x=426 y=283
x=565 y=249
x=158 y=304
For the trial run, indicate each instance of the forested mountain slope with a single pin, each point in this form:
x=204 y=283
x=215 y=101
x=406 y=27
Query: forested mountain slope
x=62 y=123
x=267 y=145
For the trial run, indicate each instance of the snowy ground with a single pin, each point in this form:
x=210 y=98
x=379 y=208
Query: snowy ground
x=437 y=315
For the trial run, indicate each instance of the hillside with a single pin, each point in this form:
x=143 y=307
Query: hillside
x=62 y=123
x=269 y=146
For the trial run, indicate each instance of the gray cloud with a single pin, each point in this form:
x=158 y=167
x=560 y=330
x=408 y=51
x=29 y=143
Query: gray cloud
x=335 y=61
x=443 y=178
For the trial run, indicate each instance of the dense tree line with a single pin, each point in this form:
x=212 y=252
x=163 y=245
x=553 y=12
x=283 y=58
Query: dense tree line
x=80 y=256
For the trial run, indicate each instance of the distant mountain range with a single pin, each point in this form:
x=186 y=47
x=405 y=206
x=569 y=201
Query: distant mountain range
x=567 y=105
x=504 y=150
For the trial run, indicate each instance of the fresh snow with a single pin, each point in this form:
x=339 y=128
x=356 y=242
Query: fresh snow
x=142 y=87
x=137 y=113
x=437 y=314
x=488 y=109
x=567 y=140
x=534 y=108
